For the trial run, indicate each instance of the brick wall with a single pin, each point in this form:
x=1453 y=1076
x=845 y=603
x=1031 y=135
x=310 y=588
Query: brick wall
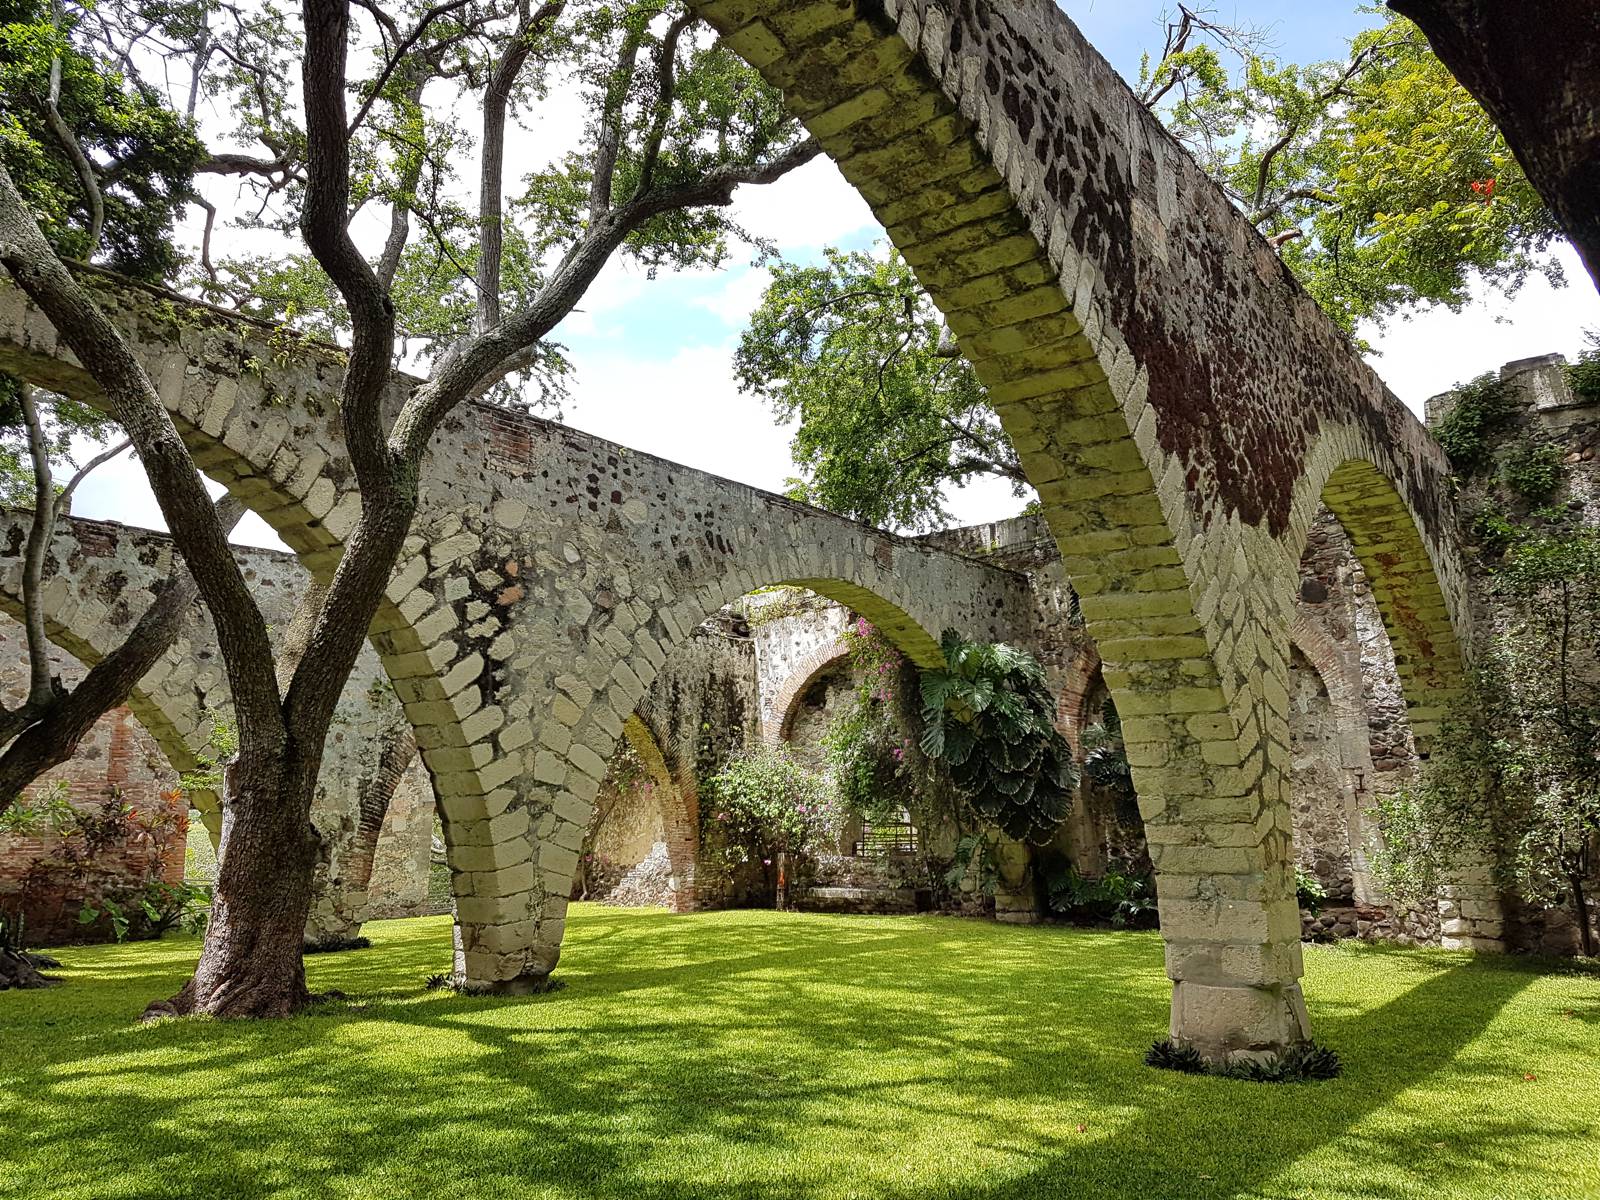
x=117 y=756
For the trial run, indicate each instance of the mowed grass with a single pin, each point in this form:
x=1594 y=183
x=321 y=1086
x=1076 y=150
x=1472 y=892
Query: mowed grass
x=760 y=1054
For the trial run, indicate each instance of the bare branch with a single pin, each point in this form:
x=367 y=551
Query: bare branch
x=404 y=48
x=666 y=86
x=63 y=134
x=610 y=142
x=491 y=202
x=63 y=504
x=471 y=366
x=40 y=530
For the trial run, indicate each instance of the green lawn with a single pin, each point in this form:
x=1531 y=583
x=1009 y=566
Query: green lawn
x=776 y=1055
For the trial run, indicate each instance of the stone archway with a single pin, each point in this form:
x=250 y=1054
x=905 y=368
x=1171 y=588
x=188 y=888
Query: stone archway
x=1168 y=387
x=820 y=661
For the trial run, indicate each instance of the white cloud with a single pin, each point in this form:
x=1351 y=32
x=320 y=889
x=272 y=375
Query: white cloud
x=686 y=409
x=1433 y=351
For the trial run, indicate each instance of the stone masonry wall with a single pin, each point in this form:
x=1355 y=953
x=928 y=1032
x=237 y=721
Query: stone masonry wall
x=103 y=576
x=116 y=757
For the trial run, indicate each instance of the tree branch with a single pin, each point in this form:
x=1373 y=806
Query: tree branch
x=610 y=143
x=472 y=365
x=41 y=688
x=74 y=152
x=666 y=86
x=491 y=202
x=64 y=500
x=134 y=402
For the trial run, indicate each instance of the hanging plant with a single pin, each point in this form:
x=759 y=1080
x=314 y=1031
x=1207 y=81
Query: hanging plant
x=989 y=717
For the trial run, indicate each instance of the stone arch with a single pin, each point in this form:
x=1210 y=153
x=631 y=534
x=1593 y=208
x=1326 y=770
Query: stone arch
x=1417 y=582
x=815 y=664
x=88 y=612
x=1339 y=675
x=1163 y=379
x=1083 y=678
x=1418 y=612
x=680 y=809
x=602 y=685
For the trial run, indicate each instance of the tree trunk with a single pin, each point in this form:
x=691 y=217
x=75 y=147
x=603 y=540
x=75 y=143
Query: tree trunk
x=1580 y=910
x=251 y=964
x=1534 y=65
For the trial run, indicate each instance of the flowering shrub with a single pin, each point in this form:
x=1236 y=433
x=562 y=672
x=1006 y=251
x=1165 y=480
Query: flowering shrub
x=765 y=810
x=94 y=858
x=865 y=745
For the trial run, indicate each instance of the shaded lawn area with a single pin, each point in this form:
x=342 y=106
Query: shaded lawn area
x=766 y=1054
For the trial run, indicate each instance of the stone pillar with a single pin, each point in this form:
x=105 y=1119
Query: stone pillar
x=1471 y=915
x=1214 y=793
x=1015 y=900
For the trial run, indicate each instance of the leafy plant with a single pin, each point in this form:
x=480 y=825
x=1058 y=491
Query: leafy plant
x=1308 y=890
x=1514 y=776
x=865 y=747
x=1532 y=470
x=1124 y=900
x=1477 y=410
x=1301 y=1063
x=990 y=718
x=1584 y=375
x=1167 y=1055
x=972 y=854
x=1494 y=531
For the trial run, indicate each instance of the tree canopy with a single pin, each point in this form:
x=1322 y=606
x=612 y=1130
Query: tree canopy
x=888 y=414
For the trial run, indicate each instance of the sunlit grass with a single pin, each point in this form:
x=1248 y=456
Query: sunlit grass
x=776 y=1055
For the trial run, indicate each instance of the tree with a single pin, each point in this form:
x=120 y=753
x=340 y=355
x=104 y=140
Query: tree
x=889 y=412
x=677 y=125
x=1515 y=776
x=1378 y=178
x=1381 y=181
x=106 y=168
x=1535 y=67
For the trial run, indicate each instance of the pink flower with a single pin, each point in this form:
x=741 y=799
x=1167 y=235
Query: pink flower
x=767 y=861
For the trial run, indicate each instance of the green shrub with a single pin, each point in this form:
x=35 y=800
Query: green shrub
x=1308 y=889
x=1532 y=470
x=1478 y=409
x=1167 y=1055
x=1122 y=899
x=989 y=716
x=1298 y=1064
x=1494 y=531
x=1584 y=375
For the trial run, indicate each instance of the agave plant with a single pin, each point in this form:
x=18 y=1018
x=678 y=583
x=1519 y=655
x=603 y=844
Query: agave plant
x=988 y=716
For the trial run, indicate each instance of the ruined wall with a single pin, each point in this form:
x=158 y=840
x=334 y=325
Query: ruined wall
x=103 y=576
x=399 y=883
x=116 y=757
x=1544 y=409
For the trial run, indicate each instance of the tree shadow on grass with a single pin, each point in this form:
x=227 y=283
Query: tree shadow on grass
x=732 y=1056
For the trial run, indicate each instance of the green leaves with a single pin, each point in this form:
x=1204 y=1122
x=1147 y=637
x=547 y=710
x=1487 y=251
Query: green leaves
x=851 y=349
x=144 y=153
x=989 y=718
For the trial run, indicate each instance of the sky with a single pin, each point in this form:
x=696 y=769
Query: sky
x=653 y=357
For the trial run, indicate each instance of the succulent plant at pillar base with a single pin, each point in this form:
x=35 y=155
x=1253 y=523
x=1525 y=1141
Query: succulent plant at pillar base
x=988 y=716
